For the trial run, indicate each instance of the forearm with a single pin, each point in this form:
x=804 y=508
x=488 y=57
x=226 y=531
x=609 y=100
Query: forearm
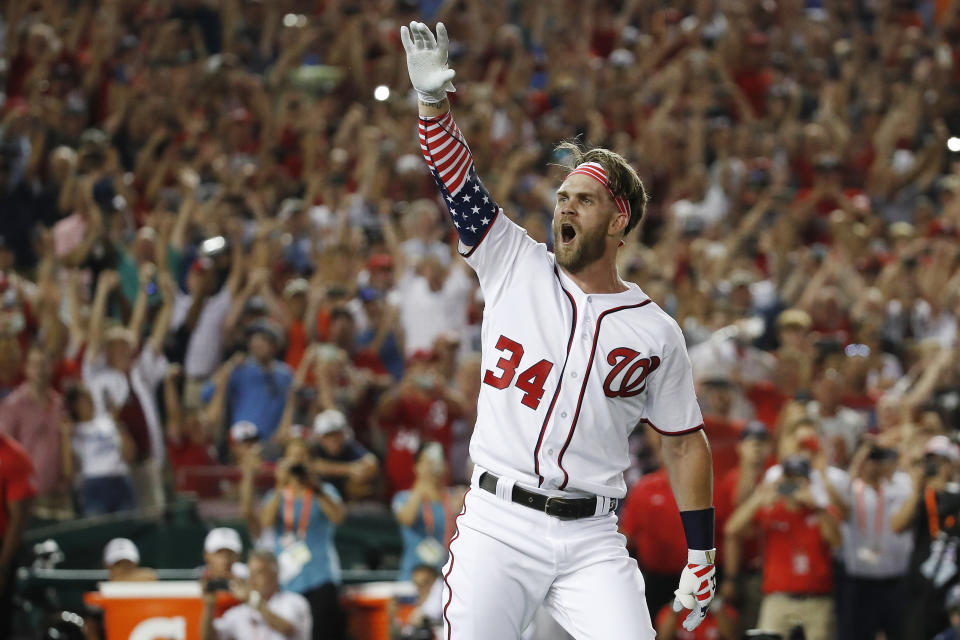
x=274 y=621
x=18 y=512
x=207 y=632
x=445 y=150
x=900 y=521
x=269 y=513
x=690 y=466
x=741 y=517
x=246 y=502
x=835 y=498
x=335 y=511
x=829 y=528
x=408 y=512
x=329 y=469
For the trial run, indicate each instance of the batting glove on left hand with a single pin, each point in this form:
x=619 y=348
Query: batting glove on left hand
x=698 y=584
x=427 y=61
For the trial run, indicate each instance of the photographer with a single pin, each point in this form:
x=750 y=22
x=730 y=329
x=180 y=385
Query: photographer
x=302 y=514
x=799 y=534
x=931 y=512
x=266 y=611
x=426 y=512
x=875 y=556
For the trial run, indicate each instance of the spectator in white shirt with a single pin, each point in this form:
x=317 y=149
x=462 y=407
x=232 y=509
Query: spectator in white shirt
x=124 y=383
x=432 y=301
x=197 y=323
x=101 y=451
x=266 y=612
x=840 y=427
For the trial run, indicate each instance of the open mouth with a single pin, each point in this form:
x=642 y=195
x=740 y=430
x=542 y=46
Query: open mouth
x=567 y=233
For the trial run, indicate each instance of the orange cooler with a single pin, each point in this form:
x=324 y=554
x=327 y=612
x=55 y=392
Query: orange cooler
x=170 y=610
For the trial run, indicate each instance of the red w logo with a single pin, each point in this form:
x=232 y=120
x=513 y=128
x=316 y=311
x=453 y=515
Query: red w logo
x=634 y=380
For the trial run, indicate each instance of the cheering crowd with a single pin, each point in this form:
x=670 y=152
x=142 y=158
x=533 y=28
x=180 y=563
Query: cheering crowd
x=224 y=270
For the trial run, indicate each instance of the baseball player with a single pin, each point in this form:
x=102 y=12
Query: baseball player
x=573 y=359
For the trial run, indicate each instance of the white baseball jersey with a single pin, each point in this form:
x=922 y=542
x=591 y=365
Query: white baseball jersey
x=566 y=374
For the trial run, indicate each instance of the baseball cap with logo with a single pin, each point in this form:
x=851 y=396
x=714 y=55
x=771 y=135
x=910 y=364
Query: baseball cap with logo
x=222 y=538
x=120 y=549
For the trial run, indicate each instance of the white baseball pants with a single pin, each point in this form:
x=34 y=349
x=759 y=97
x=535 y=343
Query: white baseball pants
x=507 y=560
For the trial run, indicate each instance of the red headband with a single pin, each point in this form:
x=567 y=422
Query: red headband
x=596 y=171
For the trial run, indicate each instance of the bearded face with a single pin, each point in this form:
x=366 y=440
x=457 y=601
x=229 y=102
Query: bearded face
x=581 y=223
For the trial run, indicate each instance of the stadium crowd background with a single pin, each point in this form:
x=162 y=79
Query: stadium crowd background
x=224 y=264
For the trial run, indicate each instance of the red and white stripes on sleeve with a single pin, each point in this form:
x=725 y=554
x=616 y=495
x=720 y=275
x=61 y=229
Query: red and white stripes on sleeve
x=445 y=150
x=472 y=210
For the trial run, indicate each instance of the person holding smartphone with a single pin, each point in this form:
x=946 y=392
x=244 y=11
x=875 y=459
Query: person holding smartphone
x=799 y=532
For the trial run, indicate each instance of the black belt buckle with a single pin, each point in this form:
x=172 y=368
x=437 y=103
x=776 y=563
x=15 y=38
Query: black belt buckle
x=561 y=509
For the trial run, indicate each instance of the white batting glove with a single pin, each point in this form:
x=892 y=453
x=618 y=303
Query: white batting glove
x=427 y=61
x=698 y=584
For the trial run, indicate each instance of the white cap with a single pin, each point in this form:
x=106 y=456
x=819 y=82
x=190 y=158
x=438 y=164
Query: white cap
x=329 y=421
x=243 y=430
x=120 y=549
x=943 y=447
x=222 y=538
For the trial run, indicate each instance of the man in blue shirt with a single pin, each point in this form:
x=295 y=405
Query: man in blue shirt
x=257 y=388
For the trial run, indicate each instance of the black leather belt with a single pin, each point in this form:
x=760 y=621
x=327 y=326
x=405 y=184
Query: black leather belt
x=562 y=508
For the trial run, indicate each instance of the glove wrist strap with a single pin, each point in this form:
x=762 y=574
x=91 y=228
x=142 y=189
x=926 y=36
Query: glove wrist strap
x=432 y=98
x=701 y=556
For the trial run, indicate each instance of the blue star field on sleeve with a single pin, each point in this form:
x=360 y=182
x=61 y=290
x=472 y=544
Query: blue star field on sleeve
x=448 y=157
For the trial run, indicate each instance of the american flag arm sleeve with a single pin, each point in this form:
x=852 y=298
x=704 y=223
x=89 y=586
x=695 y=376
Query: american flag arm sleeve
x=448 y=157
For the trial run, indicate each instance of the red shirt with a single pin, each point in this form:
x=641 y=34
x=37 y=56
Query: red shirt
x=651 y=522
x=412 y=419
x=708 y=629
x=750 y=542
x=187 y=455
x=767 y=401
x=796 y=558
x=724 y=435
x=16 y=478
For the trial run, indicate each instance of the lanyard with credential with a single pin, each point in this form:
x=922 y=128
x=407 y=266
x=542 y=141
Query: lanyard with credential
x=429 y=523
x=858 y=490
x=305 y=507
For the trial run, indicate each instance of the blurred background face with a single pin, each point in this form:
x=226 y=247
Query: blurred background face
x=431 y=465
x=262 y=347
x=296 y=453
x=334 y=442
x=119 y=354
x=37 y=368
x=263 y=577
x=219 y=563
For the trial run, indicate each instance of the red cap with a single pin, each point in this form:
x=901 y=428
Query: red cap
x=380 y=261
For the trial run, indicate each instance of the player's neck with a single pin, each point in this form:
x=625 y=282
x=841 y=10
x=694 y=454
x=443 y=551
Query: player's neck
x=600 y=276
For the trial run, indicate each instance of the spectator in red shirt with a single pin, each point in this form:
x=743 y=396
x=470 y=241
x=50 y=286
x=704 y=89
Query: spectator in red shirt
x=799 y=534
x=31 y=415
x=719 y=624
x=16 y=490
x=742 y=558
x=419 y=409
x=651 y=522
